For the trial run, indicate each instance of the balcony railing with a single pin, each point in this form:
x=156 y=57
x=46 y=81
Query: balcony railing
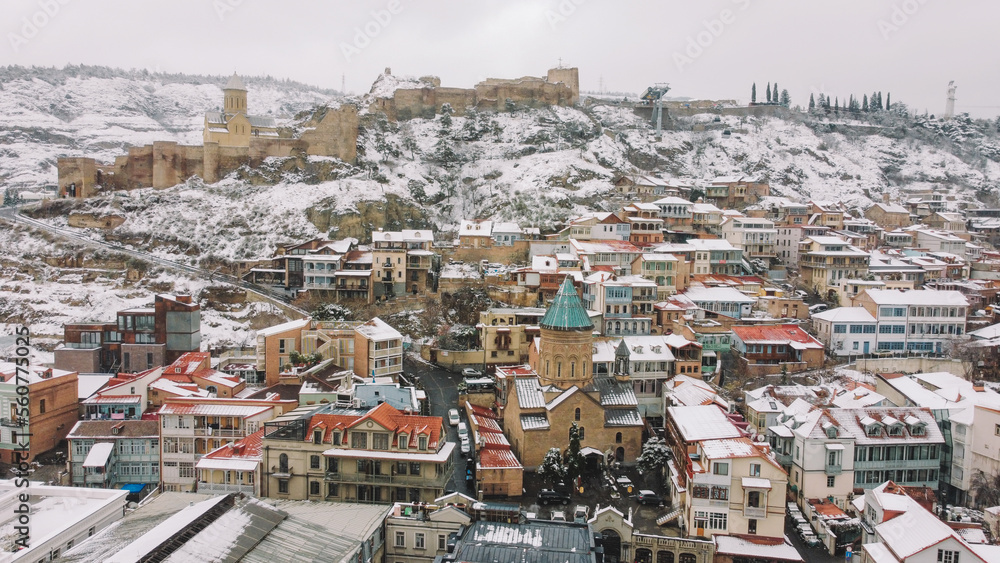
x=341 y=477
x=834 y=469
x=754 y=512
x=220 y=432
x=12 y=423
x=224 y=488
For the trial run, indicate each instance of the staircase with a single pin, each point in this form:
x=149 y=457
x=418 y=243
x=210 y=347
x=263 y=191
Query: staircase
x=666 y=518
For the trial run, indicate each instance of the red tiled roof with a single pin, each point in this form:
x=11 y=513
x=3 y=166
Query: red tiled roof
x=775 y=333
x=481 y=411
x=388 y=417
x=249 y=447
x=495 y=458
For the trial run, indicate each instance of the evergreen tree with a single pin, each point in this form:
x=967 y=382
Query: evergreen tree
x=786 y=100
x=774 y=95
x=880 y=108
x=864 y=104
x=552 y=469
x=836 y=105
x=573 y=459
x=812 y=102
x=768 y=92
x=753 y=93
x=821 y=101
x=888 y=102
x=654 y=457
x=872 y=104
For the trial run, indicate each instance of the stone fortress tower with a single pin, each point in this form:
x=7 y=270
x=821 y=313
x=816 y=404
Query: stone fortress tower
x=232 y=127
x=565 y=355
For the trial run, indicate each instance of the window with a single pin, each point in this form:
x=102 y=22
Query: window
x=830 y=480
x=720 y=469
x=442 y=539
x=753 y=499
x=422 y=442
x=359 y=440
x=755 y=470
x=576 y=415
x=314 y=487
x=380 y=441
x=404 y=440
x=333 y=489
x=41 y=406
x=418 y=540
x=839 y=329
x=583 y=432
x=283 y=486
x=332 y=465
x=717 y=520
x=283 y=463
x=314 y=462
x=400 y=539
x=618 y=438
x=720 y=493
x=414 y=469
x=947 y=556
x=996 y=430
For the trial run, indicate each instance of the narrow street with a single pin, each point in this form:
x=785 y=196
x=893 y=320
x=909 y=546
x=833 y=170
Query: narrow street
x=441 y=387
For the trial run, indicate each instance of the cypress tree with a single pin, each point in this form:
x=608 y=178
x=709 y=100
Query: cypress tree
x=753 y=93
x=812 y=103
x=768 y=92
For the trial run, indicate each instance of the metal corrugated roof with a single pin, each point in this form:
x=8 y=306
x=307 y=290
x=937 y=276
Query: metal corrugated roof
x=566 y=311
x=534 y=422
x=622 y=417
x=536 y=541
x=529 y=394
x=615 y=394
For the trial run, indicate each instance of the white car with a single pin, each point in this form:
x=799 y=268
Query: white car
x=471 y=373
x=463 y=431
x=466 y=446
x=453 y=418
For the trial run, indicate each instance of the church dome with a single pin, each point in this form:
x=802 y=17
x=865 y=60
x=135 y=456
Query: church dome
x=566 y=311
x=235 y=83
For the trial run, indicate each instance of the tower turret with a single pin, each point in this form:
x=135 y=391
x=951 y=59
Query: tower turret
x=565 y=355
x=235 y=95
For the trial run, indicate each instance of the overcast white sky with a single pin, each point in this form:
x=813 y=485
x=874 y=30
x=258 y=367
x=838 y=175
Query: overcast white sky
x=706 y=49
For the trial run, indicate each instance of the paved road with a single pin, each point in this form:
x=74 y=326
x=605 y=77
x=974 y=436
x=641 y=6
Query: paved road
x=12 y=215
x=441 y=387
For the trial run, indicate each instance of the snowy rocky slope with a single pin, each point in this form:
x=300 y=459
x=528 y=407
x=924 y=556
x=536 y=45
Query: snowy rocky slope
x=537 y=166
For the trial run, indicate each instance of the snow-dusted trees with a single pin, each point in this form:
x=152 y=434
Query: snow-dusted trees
x=753 y=93
x=654 y=457
x=573 y=459
x=785 y=100
x=552 y=469
x=812 y=102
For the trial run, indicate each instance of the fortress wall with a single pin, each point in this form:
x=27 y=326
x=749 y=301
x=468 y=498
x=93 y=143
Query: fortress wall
x=336 y=135
x=81 y=171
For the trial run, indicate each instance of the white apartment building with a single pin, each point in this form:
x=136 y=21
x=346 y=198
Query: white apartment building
x=189 y=430
x=925 y=320
x=757 y=238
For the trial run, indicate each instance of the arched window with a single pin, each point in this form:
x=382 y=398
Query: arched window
x=618 y=437
x=572 y=370
x=687 y=558
x=283 y=463
x=576 y=415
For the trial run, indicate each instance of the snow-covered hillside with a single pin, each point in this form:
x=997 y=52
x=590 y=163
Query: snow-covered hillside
x=537 y=166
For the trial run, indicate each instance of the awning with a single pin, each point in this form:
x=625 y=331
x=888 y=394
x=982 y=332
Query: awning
x=756 y=483
x=99 y=454
x=133 y=487
x=835 y=446
x=708 y=353
x=591 y=451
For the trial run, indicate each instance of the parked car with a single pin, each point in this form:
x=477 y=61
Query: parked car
x=818 y=308
x=558 y=515
x=581 y=513
x=466 y=446
x=548 y=496
x=471 y=372
x=646 y=496
x=453 y=418
x=463 y=431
